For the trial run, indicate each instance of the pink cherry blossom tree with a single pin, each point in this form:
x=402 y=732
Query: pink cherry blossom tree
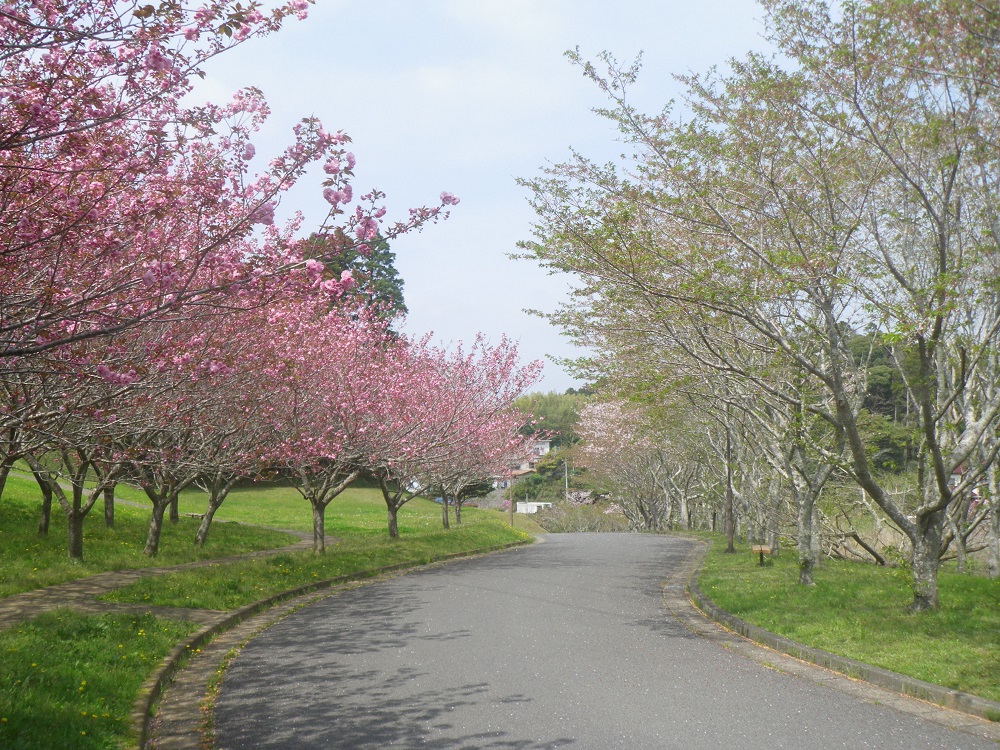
x=450 y=415
x=326 y=372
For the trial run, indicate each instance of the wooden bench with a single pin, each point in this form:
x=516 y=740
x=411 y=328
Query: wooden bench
x=761 y=549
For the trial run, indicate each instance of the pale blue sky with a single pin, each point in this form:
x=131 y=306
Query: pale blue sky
x=466 y=96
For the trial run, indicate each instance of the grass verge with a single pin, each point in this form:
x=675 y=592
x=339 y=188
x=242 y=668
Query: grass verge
x=69 y=680
x=859 y=611
x=228 y=586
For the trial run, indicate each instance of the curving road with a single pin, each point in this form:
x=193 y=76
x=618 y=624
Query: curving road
x=563 y=644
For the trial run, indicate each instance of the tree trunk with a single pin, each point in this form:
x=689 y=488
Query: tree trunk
x=458 y=513
x=319 y=527
x=391 y=513
x=817 y=537
x=46 y=510
x=444 y=511
x=993 y=539
x=993 y=530
x=5 y=468
x=925 y=561
x=206 y=522
x=74 y=535
x=219 y=492
x=807 y=552
x=730 y=519
x=152 y=547
x=959 y=541
x=773 y=513
x=109 y=506
x=175 y=515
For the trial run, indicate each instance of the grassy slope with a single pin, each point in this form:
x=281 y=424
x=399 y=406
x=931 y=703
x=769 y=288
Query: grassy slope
x=29 y=561
x=859 y=611
x=358 y=522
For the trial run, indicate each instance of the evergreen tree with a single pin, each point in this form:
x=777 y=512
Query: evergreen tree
x=376 y=281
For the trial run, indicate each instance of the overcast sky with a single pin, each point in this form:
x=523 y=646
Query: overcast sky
x=466 y=96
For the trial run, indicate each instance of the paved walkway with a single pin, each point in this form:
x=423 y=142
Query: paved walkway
x=183 y=716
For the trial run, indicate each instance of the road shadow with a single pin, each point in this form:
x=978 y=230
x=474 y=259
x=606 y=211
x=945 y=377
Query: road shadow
x=305 y=706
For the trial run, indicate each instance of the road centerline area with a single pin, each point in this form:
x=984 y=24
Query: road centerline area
x=565 y=644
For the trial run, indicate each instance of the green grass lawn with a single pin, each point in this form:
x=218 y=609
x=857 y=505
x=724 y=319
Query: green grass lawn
x=859 y=611
x=69 y=680
x=234 y=585
x=29 y=561
x=356 y=520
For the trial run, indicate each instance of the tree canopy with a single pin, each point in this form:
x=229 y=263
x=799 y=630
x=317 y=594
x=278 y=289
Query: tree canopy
x=847 y=183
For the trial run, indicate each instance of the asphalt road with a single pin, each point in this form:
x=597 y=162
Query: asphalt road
x=563 y=644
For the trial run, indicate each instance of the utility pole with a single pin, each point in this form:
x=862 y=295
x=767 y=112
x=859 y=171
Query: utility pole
x=566 y=479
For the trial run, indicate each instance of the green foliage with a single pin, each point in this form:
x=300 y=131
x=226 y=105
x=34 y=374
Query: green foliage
x=478 y=489
x=536 y=488
x=551 y=466
x=860 y=611
x=548 y=482
x=886 y=393
x=556 y=413
x=69 y=680
x=887 y=441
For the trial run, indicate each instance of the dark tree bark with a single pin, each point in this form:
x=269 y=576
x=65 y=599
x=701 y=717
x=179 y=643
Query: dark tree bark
x=45 y=515
x=218 y=492
x=109 y=506
x=444 y=510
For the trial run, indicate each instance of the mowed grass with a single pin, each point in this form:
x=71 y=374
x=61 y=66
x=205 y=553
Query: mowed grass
x=69 y=681
x=860 y=611
x=228 y=586
x=269 y=504
x=357 y=541
x=29 y=561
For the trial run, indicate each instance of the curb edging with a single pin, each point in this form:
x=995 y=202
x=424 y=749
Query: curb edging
x=152 y=688
x=899 y=683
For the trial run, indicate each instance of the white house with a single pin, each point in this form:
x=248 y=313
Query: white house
x=538 y=449
x=531 y=507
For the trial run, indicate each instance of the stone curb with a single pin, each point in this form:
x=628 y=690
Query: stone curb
x=152 y=689
x=942 y=696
